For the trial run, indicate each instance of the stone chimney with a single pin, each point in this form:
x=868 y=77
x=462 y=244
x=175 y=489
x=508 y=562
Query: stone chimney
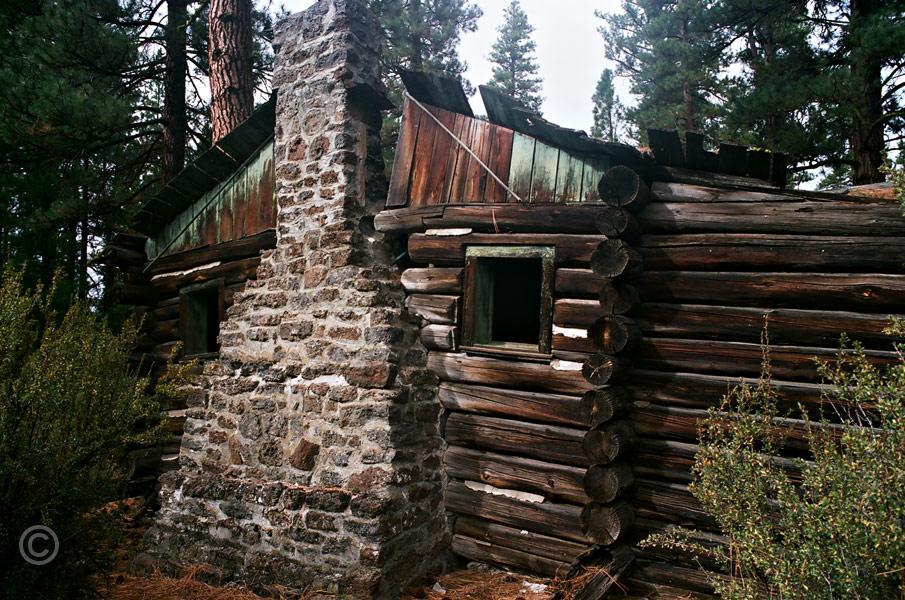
x=313 y=459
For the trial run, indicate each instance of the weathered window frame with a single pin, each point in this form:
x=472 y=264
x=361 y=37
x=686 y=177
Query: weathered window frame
x=478 y=302
x=185 y=299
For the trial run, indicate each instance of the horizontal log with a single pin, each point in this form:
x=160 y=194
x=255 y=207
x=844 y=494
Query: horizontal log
x=605 y=483
x=670 y=191
x=493 y=218
x=871 y=293
x=606 y=524
x=450 y=250
x=232 y=250
x=703 y=391
x=576 y=313
x=553 y=443
x=603 y=369
x=609 y=442
x=554 y=548
x=547 y=518
x=531 y=406
x=621 y=186
x=506 y=373
x=618 y=298
x=162 y=331
x=791 y=326
x=615 y=258
x=763 y=252
x=573 y=345
x=782 y=217
x=439 y=337
x=236 y=271
x=670 y=422
x=432 y=281
x=740 y=358
x=487 y=552
x=553 y=481
x=670 y=581
x=434 y=308
x=672 y=460
x=578 y=283
x=670 y=502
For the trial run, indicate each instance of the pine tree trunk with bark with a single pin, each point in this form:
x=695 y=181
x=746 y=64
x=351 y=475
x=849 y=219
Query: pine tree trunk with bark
x=175 y=120
x=868 y=144
x=230 y=57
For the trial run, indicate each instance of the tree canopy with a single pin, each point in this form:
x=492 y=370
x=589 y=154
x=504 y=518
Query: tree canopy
x=515 y=69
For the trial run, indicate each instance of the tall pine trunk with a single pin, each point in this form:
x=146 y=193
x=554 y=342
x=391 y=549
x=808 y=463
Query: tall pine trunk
x=868 y=145
x=174 y=111
x=230 y=57
x=688 y=115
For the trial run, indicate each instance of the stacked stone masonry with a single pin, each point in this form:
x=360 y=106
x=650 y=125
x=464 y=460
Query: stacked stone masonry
x=313 y=459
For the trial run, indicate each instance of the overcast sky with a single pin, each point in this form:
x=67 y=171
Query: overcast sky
x=569 y=52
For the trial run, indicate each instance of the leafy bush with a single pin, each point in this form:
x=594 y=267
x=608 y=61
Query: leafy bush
x=840 y=531
x=69 y=409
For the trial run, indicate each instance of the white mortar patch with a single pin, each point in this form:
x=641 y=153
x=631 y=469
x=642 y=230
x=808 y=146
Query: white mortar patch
x=187 y=271
x=451 y=231
x=570 y=332
x=565 y=365
x=489 y=489
x=331 y=380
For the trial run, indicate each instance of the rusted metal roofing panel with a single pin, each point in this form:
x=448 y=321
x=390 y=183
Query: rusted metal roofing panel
x=437 y=90
x=208 y=170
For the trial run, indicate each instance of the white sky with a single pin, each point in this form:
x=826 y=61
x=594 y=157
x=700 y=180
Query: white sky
x=569 y=52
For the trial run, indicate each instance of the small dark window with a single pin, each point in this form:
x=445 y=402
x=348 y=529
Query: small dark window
x=201 y=310
x=508 y=306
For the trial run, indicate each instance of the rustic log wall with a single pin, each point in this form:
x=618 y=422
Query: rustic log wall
x=660 y=299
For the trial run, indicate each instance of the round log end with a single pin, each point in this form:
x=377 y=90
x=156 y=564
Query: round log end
x=617 y=298
x=606 y=524
x=600 y=406
x=614 y=333
x=622 y=187
x=604 y=445
x=607 y=483
x=614 y=258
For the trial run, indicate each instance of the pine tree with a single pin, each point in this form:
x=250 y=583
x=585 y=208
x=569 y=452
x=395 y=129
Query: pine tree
x=515 y=70
x=606 y=108
x=672 y=51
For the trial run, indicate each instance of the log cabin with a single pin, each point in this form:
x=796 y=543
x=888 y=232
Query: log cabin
x=499 y=355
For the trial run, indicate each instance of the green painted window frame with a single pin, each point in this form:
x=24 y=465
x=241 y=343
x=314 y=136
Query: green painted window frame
x=478 y=301
x=188 y=315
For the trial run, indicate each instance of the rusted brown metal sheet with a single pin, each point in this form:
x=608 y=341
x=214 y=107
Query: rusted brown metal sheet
x=240 y=206
x=500 y=156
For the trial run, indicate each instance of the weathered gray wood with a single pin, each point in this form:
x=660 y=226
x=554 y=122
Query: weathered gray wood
x=552 y=443
x=553 y=481
x=608 y=442
x=548 y=518
x=613 y=221
x=450 y=250
x=765 y=252
x=506 y=373
x=605 y=483
x=486 y=552
x=532 y=406
x=615 y=258
x=606 y=524
x=847 y=291
x=439 y=337
x=622 y=187
x=602 y=369
x=543 y=175
x=432 y=280
x=500 y=535
x=568 y=179
x=576 y=313
x=578 y=283
x=434 y=308
x=814 y=327
x=782 y=216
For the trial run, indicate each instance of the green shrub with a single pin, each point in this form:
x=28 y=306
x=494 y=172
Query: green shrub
x=838 y=533
x=69 y=409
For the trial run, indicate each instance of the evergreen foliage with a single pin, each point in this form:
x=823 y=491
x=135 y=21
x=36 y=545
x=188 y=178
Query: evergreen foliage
x=607 y=108
x=69 y=410
x=515 y=66
x=840 y=531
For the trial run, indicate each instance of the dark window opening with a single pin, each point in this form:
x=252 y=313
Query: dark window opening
x=200 y=315
x=515 y=313
x=508 y=304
